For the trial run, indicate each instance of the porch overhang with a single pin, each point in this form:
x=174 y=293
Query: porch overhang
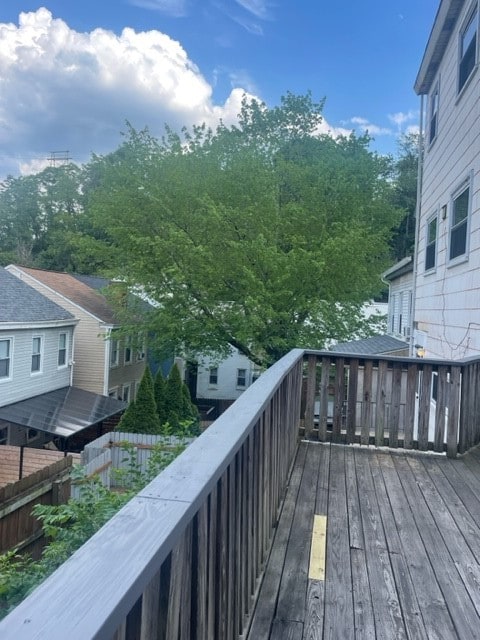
x=63 y=412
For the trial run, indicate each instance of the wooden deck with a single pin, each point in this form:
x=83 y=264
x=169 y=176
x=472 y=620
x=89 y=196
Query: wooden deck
x=402 y=548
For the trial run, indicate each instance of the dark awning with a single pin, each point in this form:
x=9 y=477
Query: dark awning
x=63 y=412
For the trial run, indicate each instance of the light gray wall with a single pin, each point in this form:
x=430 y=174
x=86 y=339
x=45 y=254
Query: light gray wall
x=25 y=384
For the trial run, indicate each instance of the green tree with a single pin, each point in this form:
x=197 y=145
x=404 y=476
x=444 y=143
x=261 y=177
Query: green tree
x=141 y=414
x=159 y=389
x=404 y=195
x=261 y=236
x=174 y=399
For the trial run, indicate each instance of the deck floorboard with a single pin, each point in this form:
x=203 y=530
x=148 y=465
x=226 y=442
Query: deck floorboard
x=402 y=548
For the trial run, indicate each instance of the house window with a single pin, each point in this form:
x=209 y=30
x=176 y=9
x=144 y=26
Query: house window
x=459 y=224
x=431 y=248
x=62 y=349
x=141 y=348
x=241 y=377
x=468 y=50
x=4 y=435
x=128 y=350
x=5 y=357
x=213 y=376
x=113 y=352
x=113 y=393
x=36 y=354
x=126 y=392
x=392 y=319
x=433 y=114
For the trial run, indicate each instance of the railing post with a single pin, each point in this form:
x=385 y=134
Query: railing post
x=310 y=399
x=454 y=430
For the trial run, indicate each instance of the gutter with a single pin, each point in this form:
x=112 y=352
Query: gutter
x=418 y=211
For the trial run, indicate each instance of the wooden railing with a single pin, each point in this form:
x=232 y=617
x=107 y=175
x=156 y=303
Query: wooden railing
x=182 y=559
x=390 y=401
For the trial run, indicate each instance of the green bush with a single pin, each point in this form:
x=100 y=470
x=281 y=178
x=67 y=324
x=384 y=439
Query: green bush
x=66 y=527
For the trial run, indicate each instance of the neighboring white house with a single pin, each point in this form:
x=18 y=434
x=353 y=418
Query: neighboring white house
x=226 y=379
x=37 y=400
x=400 y=294
x=447 y=282
x=104 y=364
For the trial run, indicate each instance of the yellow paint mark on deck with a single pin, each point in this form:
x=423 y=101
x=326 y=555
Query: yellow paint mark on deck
x=317 y=550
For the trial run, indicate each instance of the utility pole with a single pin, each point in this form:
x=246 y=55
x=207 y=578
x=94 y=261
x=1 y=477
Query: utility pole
x=59 y=158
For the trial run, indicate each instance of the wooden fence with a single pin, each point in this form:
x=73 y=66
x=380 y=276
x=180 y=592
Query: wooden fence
x=182 y=559
x=18 y=528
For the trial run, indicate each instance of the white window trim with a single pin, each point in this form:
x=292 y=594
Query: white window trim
x=242 y=386
x=460 y=90
x=10 y=358
x=434 y=216
x=210 y=383
x=127 y=385
x=435 y=90
x=114 y=363
x=113 y=392
x=467 y=183
x=67 y=344
x=38 y=371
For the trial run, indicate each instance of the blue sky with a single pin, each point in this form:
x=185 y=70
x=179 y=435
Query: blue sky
x=72 y=71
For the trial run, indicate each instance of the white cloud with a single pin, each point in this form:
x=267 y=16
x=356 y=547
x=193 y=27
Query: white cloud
x=252 y=27
x=258 y=8
x=401 y=118
x=413 y=129
x=367 y=127
x=175 y=8
x=60 y=89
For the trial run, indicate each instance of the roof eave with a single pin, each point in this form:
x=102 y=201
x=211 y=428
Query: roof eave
x=443 y=26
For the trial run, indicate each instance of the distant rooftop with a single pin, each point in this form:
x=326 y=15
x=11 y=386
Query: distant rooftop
x=21 y=303
x=375 y=345
x=73 y=288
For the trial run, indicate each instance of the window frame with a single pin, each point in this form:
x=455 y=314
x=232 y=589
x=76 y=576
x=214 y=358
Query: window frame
x=142 y=347
x=114 y=350
x=241 y=377
x=4 y=433
x=471 y=18
x=433 y=106
x=127 y=386
x=128 y=347
x=466 y=185
x=61 y=349
x=213 y=376
x=431 y=243
x=9 y=358
x=37 y=354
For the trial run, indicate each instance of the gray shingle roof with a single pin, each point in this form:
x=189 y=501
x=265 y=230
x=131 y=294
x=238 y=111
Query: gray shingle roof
x=376 y=345
x=21 y=303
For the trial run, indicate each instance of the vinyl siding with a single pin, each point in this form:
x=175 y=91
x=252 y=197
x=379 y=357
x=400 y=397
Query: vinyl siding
x=25 y=384
x=447 y=299
x=91 y=349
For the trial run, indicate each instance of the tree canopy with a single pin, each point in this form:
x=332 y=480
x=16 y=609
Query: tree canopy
x=262 y=236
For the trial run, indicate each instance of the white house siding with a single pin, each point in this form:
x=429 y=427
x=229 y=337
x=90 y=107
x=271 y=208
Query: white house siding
x=447 y=298
x=400 y=304
x=226 y=387
x=23 y=383
x=91 y=370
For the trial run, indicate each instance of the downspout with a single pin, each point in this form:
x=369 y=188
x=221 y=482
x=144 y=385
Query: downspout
x=418 y=210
